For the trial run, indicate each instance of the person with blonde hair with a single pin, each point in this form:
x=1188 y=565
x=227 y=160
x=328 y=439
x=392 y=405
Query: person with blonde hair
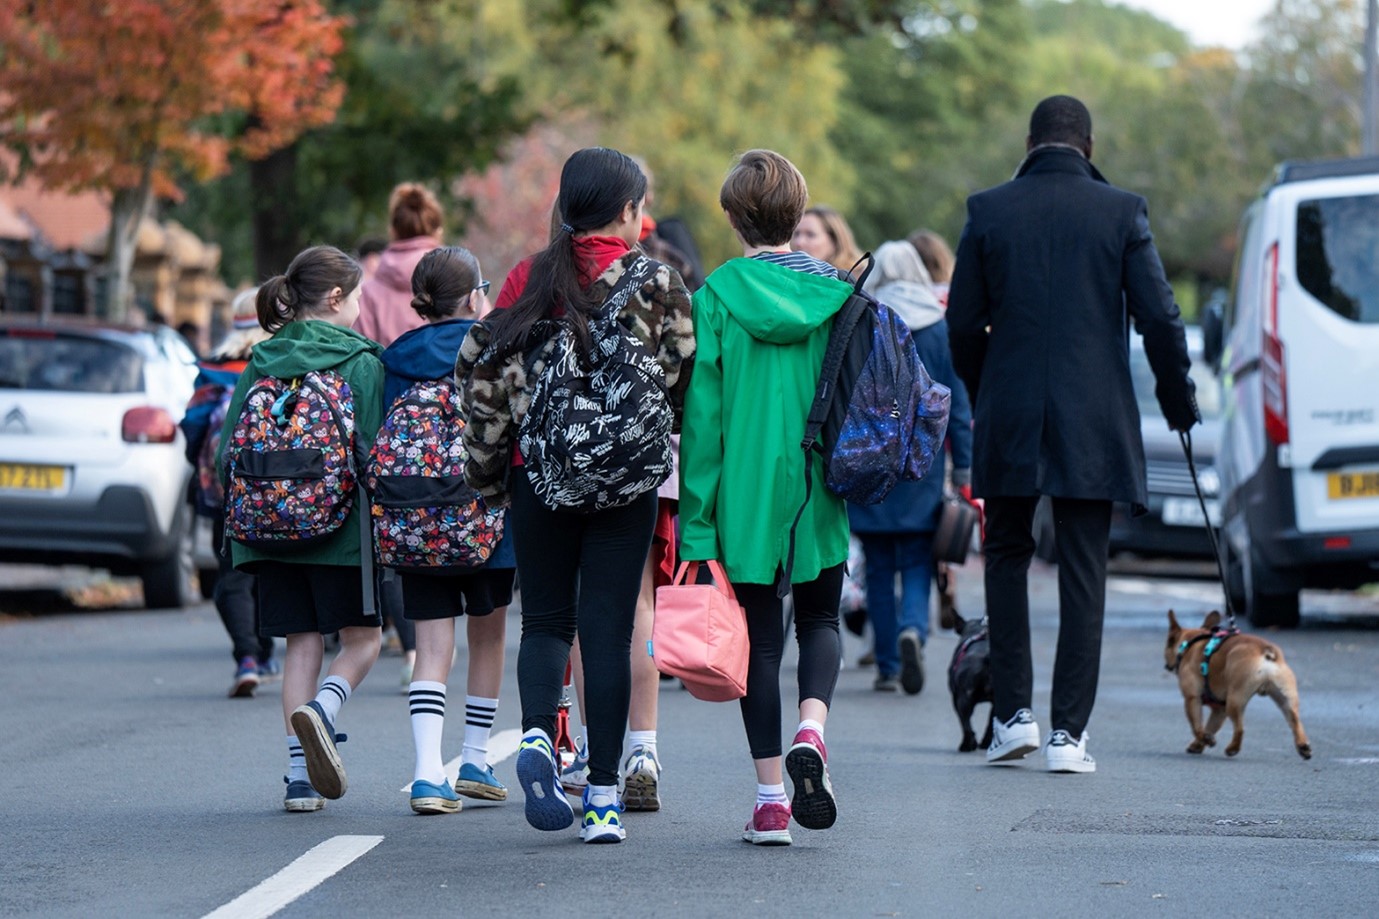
x=823 y=233
x=236 y=592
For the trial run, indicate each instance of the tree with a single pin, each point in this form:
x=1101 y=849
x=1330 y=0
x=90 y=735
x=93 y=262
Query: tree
x=433 y=89
x=122 y=97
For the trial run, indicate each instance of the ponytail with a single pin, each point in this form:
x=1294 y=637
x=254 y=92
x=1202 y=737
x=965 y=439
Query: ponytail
x=303 y=289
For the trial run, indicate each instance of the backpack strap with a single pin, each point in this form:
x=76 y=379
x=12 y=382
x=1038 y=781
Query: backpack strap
x=844 y=323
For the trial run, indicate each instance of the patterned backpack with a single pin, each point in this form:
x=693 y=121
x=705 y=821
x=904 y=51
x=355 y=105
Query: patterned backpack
x=291 y=461
x=877 y=416
x=210 y=493
x=424 y=515
x=598 y=436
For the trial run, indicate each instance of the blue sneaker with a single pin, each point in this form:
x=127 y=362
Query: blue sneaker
x=428 y=798
x=318 y=739
x=246 y=679
x=480 y=783
x=547 y=807
x=270 y=670
x=602 y=822
x=302 y=797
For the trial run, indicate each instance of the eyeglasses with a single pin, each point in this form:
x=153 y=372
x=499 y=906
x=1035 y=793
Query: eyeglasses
x=483 y=287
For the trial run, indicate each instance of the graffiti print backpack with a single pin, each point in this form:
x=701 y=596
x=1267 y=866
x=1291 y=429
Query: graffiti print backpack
x=877 y=417
x=597 y=434
x=291 y=461
x=424 y=514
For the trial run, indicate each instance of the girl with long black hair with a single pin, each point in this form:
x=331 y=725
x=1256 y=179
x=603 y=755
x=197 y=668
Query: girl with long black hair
x=581 y=572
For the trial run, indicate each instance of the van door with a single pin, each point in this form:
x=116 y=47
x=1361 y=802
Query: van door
x=1327 y=324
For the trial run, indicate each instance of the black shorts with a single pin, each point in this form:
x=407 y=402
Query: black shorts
x=310 y=598
x=477 y=593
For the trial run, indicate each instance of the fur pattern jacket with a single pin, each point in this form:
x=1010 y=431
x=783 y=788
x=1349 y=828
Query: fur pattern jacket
x=496 y=393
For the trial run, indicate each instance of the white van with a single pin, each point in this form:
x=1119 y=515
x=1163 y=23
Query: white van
x=1299 y=452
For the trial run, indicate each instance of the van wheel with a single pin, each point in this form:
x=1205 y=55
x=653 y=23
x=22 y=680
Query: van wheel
x=1266 y=605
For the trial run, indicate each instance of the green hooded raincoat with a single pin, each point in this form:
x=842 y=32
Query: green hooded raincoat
x=296 y=348
x=762 y=330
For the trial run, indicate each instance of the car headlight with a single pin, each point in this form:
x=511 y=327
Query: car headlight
x=1210 y=481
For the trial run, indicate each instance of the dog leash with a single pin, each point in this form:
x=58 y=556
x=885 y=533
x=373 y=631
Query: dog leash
x=1185 y=438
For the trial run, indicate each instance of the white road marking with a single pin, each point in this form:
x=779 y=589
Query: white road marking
x=317 y=865
x=500 y=747
x=1203 y=593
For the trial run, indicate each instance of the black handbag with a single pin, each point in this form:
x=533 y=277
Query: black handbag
x=953 y=537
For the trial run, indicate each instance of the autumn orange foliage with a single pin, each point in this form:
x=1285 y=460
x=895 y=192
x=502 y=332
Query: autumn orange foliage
x=116 y=94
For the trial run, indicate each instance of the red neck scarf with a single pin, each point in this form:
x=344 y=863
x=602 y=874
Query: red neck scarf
x=595 y=253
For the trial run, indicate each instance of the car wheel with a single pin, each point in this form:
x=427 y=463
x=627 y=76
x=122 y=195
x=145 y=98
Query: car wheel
x=168 y=581
x=1266 y=605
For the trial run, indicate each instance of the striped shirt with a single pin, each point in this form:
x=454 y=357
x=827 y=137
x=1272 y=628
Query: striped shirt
x=799 y=261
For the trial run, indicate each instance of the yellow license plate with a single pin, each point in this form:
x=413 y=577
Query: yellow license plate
x=32 y=478
x=1352 y=485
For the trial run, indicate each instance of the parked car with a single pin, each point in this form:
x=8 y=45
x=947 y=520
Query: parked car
x=1174 y=526
x=1299 y=451
x=92 y=470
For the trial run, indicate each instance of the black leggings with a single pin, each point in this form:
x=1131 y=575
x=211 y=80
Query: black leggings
x=579 y=571
x=821 y=650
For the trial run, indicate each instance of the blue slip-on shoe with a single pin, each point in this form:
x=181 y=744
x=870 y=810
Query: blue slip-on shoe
x=246 y=679
x=302 y=797
x=429 y=798
x=474 y=782
x=318 y=739
x=547 y=808
x=602 y=822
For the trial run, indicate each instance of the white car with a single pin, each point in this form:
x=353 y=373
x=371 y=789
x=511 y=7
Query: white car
x=92 y=464
x=1299 y=451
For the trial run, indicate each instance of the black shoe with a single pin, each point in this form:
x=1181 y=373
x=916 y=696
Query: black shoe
x=911 y=662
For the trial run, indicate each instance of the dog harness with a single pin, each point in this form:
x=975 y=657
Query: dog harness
x=1214 y=639
x=971 y=640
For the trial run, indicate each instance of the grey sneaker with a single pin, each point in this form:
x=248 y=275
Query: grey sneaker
x=1015 y=739
x=886 y=683
x=574 y=777
x=1063 y=754
x=641 y=778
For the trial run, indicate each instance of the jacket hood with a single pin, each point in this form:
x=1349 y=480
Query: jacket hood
x=310 y=344
x=776 y=304
x=427 y=353
x=399 y=260
x=916 y=304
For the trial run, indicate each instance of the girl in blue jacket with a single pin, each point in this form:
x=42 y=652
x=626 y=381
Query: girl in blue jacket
x=449 y=293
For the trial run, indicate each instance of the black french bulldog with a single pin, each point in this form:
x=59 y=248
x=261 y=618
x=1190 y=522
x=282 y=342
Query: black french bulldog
x=969 y=679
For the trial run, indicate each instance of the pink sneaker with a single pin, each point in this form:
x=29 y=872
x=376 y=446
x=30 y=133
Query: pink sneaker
x=769 y=826
x=813 y=805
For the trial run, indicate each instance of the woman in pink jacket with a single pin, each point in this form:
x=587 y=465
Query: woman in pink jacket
x=385 y=302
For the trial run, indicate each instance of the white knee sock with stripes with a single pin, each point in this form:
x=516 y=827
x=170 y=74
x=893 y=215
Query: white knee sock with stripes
x=427 y=700
x=334 y=693
x=478 y=724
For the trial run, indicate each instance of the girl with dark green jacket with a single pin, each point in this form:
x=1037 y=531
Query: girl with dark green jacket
x=761 y=325
x=307 y=592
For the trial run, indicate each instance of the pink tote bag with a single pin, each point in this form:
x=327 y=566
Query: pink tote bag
x=700 y=634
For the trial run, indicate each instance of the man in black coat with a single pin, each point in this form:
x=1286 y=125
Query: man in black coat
x=1051 y=269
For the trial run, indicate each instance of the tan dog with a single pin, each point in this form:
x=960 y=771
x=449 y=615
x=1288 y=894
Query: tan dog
x=1239 y=667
